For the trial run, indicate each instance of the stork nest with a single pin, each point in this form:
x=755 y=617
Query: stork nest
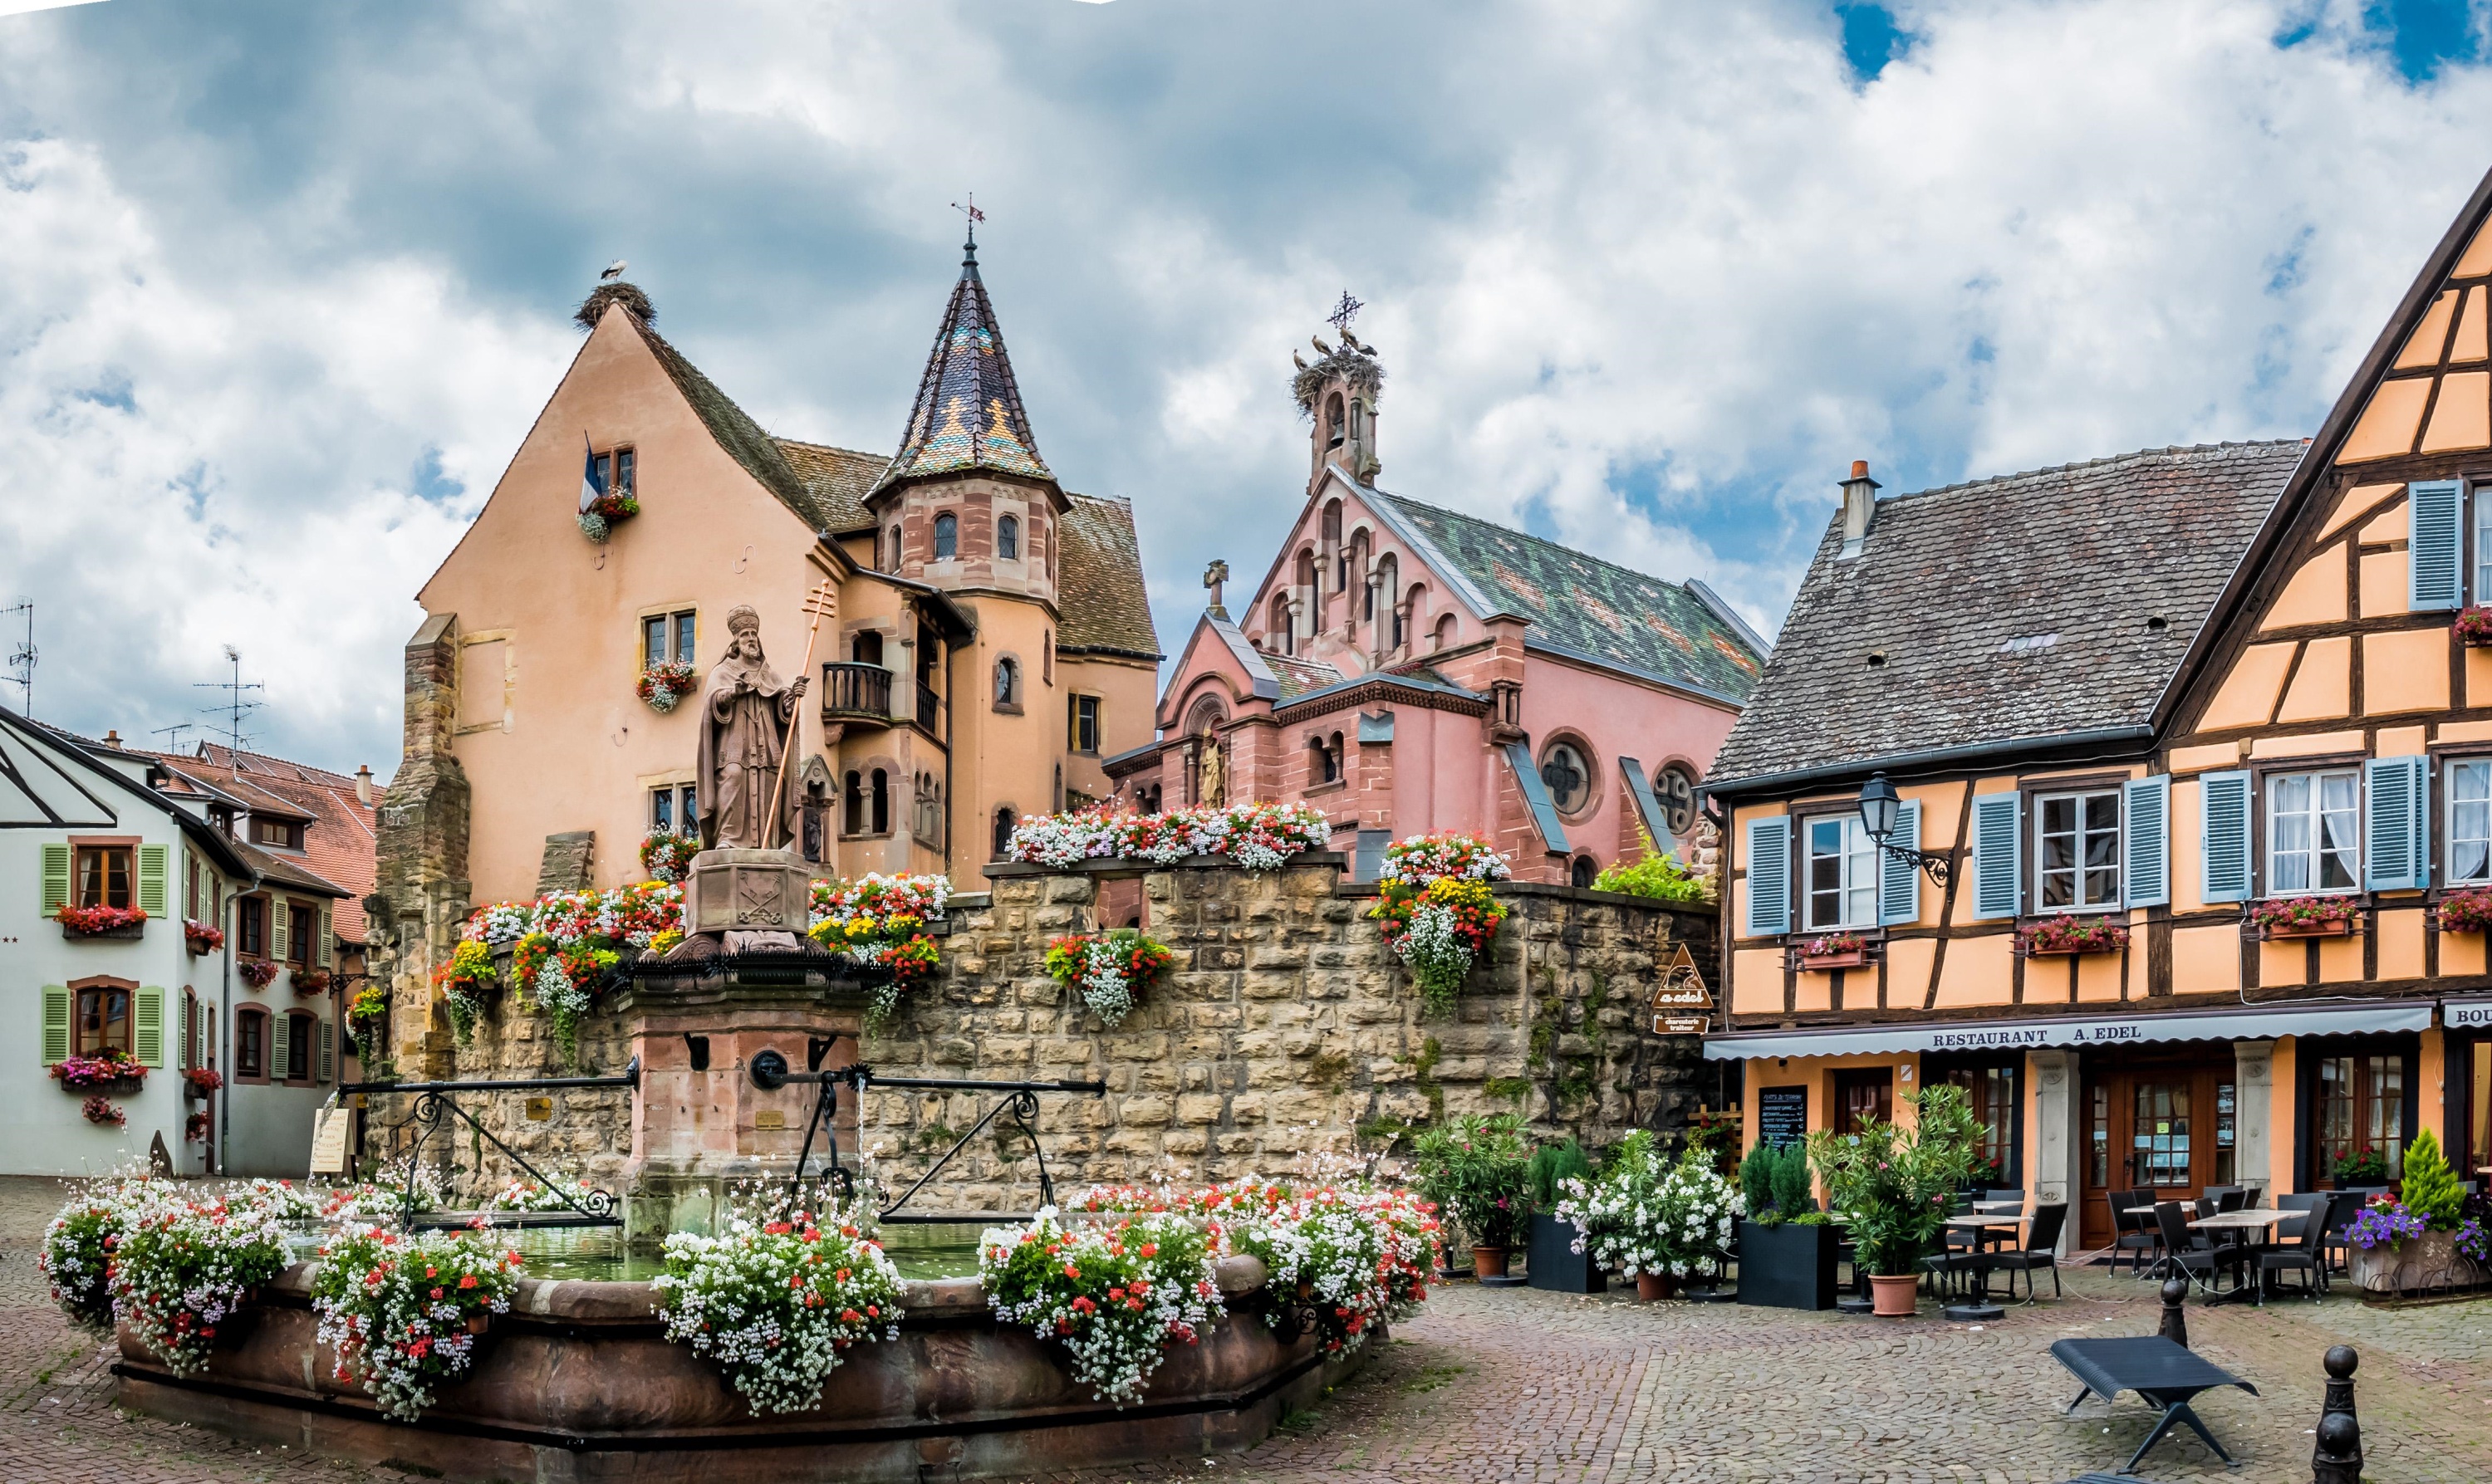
x=628 y=295
x=1363 y=373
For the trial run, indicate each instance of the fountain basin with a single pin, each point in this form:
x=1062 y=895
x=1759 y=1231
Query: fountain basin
x=577 y=1383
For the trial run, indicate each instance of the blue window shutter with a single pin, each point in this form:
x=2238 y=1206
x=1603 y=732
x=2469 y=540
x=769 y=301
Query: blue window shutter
x=2145 y=840
x=1997 y=883
x=2394 y=853
x=1769 y=863
x=2224 y=865
x=1899 y=880
x=2436 y=545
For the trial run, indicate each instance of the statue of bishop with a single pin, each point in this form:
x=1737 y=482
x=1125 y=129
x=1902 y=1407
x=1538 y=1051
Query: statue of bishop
x=745 y=712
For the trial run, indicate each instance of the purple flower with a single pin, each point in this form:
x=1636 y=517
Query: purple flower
x=2384 y=1225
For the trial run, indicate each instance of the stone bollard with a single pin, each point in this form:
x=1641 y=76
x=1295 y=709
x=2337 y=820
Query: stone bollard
x=2337 y=1456
x=2176 y=1319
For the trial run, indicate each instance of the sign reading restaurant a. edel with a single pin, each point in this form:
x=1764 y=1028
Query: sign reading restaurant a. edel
x=1682 y=1003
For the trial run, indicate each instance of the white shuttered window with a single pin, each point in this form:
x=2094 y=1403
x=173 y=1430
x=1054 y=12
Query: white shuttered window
x=2313 y=823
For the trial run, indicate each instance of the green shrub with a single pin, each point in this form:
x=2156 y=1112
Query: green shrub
x=1757 y=1180
x=2432 y=1190
x=1793 y=1191
x=1653 y=874
x=1479 y=1172
x=1551 y=1166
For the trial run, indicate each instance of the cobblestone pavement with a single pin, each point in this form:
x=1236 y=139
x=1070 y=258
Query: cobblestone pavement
x=1517 y=1386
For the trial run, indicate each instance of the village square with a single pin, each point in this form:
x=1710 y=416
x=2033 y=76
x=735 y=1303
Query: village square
x=639 y=851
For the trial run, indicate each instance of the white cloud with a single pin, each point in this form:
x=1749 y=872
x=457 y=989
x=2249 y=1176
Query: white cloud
x=1646 y=276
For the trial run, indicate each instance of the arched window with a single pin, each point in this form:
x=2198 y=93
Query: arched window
x=881 y=801
x=1412 y=615
x=1005 y=821
x=1007 y=681
x=1585 y=871
x=1336 y=425
x=1307 y=570
x=895 y=550
x=1356 y=572
x=1322 y=767
x=1389 y=581
x=1445 y=632
x=1008 y=539
x=947 y=538
x=852 y=811
x=1284 y=638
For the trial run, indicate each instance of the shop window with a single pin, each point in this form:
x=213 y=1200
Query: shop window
x=2479 y=1107
x=2098 y=1138
x=2076 y=853
x=2160 y=1135
x=104 y=877
x=251 y=1043
x=2227 y=1129
x=103 y=1020
x=1991 y=1094
x=1863 y=1097
x=1841 y=876
x=2311 y=825
x=2361 y=1106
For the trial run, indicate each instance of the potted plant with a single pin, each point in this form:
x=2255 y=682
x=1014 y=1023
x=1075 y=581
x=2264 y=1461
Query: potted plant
x=2305 y=916
x=1894 y=1187
x=257 y=972
x=110 y=1070
x=2067 y=934
x=311 y=980
x=1480 y=1174
x=1833 y=950
x=2474 y=626
x=2423 y=1241
x=1788 y=1248
x=2465 y=910
x=203 y=937
x=664 y=685
x=1657 y=1222
x=101 y=921
x=666 y=855
x=1110 y=971
x=1437 y=910
x=2363 y=1165
x=1559 y=1260
x=198 y=1083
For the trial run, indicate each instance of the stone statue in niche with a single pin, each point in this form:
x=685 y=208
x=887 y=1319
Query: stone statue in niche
x=745 y=713
x=1213 y=781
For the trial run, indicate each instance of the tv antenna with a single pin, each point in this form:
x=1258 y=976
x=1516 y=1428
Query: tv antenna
x=174 y=731
x=21 y=660
x=235 y=707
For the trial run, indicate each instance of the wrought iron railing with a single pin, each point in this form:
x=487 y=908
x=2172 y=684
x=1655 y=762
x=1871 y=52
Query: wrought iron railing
x=856 y=691
x=437 y=1102
x=930 y=708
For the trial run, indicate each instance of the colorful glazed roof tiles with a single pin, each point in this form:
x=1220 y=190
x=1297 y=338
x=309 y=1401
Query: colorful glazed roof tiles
x=969 y=413
x=1583 y=606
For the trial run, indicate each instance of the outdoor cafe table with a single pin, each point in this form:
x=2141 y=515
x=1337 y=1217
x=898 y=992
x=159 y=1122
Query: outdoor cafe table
x=2161 y=1373
x=1996 y=1222
x=2259 y=1220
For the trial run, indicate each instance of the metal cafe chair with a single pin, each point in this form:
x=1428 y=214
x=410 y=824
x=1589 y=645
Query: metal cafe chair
x=2298 y=1249
x=2040 y=1249
x=2132 y=1234
x=2188 y=1253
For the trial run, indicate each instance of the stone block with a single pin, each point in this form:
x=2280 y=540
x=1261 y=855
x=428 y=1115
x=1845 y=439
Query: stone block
x=1197 y=1108
x=1145 y=1111
x=1075 y=887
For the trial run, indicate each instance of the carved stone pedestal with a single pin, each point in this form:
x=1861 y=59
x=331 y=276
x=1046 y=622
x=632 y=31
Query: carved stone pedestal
x=700 y=1127
x=748 y=899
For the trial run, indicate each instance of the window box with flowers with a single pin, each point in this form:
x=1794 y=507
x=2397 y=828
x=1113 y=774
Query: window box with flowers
x=102 y=921
x=2307 y=917
x=665 y=684
x=309 y=981
x=2474 y=626
x=2068 y=934
x=258 y=973
x=2465 y=910
x=607 y=511
x=200 y=1082
x=110 y=1070
x=203 y=937
x=1831 y=951
x=666 y=855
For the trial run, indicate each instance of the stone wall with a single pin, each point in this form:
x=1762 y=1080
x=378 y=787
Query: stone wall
x=1284 y=1028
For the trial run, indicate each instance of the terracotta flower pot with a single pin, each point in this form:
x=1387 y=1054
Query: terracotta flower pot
x=1651 y=1287
x=1488 y=1261
x=1894 y=1298
x=477 y=1322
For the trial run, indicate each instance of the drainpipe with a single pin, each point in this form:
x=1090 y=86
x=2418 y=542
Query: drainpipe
x=228 y=917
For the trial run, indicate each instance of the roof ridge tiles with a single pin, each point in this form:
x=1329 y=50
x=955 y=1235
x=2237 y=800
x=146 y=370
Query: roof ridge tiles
x=2089 y=463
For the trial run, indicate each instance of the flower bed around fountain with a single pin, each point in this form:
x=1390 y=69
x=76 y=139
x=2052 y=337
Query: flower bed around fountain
x=578 y=1382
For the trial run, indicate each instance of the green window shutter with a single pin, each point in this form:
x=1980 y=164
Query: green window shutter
x=327 y=1071
x=56 y=1023
x=56 y=880
x=2224 y=867
x=1998 y=857
x=281 y=1034
x=184 y=1035
x=280 y=923
x=326 y=944
x=153 y=866
x=1899 y=877
x=1769 y=862
x=2394 y=853
x=147 y=1026
x=2145 y=840
x=2435 y=545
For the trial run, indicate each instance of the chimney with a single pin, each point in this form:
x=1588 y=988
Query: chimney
x=364 y=786
x=111 y=737
x=1859 y=507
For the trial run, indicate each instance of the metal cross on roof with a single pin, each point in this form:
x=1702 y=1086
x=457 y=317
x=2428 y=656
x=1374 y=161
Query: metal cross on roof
x=1344 y=312
x=969 y=208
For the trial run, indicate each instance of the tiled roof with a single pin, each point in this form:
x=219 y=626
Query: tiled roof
x=2006 y=609
x=1587 y=606
x=340 y=843
x=737 y=432
x=969 y=413
x=1299 y=676
x=1100 y=590
x=836 y=481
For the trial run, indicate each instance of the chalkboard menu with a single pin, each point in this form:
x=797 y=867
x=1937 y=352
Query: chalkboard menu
x=1782 y=1115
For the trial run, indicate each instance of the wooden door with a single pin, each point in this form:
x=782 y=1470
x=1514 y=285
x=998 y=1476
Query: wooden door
x=2163 y=1128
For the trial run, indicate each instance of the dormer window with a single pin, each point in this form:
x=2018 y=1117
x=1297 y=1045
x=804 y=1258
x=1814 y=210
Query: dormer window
x=1008 y=539
x=283 y=834
x=947 y=538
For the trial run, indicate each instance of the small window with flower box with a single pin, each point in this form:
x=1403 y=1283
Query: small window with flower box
x=2314 y=833
x=2076 y=851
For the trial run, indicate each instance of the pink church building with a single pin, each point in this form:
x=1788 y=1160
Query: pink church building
x=1406 y=668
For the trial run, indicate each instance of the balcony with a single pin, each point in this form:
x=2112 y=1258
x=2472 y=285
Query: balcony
x=930 y=709
x=857 y=693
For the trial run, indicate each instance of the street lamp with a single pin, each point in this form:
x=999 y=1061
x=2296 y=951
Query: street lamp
x=1879 y=804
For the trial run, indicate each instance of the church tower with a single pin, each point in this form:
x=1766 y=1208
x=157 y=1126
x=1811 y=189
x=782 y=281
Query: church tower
x=1337 y=394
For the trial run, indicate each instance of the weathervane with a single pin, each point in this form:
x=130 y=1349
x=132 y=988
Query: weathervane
x=969 y=208
x=1344 y=312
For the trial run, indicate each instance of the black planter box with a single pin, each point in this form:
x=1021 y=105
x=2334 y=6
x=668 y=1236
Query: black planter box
x=1788 y=1266
x=1556 y=1264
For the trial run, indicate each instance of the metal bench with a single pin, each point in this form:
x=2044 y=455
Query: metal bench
x=2161 y=1373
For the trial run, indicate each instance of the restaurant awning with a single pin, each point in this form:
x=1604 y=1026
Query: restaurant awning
x=2466 y=1014
x=2251 y=1023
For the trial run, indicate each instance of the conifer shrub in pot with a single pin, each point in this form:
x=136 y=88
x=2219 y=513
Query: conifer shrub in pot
x=1893 y=1188
x=1478 y=1171
x=1788 y=1248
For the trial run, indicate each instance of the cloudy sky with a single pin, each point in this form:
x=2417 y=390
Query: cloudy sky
x=282 y=285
